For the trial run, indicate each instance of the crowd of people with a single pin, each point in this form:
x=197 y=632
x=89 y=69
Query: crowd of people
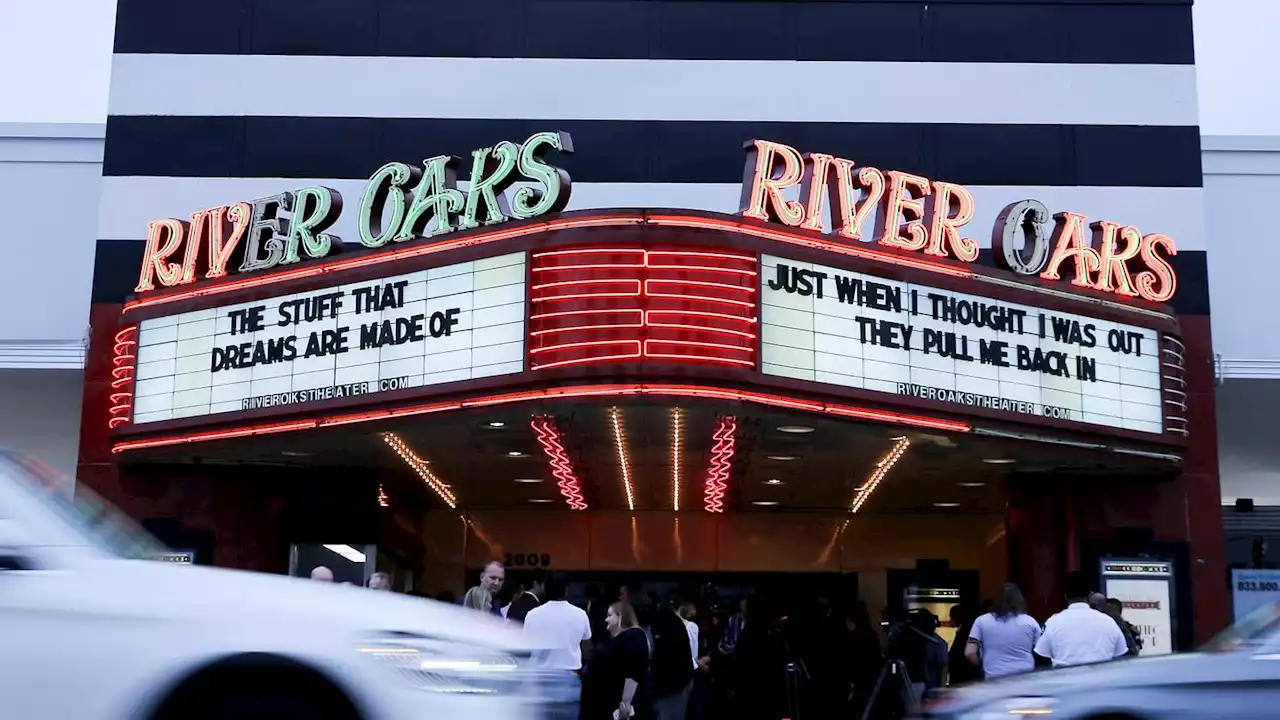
x=1003 y=639
x=377 y=581
x=685 y=659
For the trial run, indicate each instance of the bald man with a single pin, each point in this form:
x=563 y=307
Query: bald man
x=491 y=579
x=322 y=574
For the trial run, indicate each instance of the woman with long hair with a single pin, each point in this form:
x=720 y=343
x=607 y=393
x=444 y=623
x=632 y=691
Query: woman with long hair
x=477 y=598
x=616 y=683
x=1003 y=640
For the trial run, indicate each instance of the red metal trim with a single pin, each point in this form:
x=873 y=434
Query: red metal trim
x=561 y=393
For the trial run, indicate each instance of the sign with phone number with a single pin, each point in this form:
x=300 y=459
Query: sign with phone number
x=1251 y=589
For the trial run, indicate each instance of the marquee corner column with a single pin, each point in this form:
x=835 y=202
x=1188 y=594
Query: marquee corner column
x=1036 y=538
x=1200 y=483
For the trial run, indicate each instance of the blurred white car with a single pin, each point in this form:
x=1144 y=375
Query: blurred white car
x=88 y=634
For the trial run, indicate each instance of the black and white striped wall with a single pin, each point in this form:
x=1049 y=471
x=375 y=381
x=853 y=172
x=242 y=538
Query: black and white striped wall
x=1088 y=106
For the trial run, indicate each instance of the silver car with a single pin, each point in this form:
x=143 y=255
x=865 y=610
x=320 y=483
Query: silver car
x=1236 y=676
x=87 y=633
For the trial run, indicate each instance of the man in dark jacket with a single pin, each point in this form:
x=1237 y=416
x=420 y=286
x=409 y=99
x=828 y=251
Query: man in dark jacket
x=529 y=599
x=673 y=663
x=1132 y=635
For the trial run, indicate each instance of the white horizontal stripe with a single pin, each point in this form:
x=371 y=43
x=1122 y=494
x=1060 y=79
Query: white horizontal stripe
x=129 y=203
x=732 y=90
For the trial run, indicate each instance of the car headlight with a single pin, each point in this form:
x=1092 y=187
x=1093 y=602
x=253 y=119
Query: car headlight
x=449 y=666
x=1013 y=708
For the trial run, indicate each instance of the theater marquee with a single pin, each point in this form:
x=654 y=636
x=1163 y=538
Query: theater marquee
x=863 y=331
x=451 y=323
x=243 y=308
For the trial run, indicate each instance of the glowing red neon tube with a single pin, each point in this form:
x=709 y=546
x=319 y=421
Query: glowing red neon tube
x=717 y=482
x=124 y=360
x=680 y=317
x=551 y=440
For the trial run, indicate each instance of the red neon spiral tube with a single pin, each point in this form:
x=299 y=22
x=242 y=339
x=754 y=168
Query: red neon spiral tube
x=721 y=460
x=549 y=438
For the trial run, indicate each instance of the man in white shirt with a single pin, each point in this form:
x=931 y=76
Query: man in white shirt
x=560 y=627
x=687 y=611
x=1080 y=635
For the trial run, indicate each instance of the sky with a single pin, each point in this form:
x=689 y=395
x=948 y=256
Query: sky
x=1237 y=41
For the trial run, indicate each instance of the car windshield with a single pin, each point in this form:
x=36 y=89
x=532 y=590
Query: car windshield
x=93 y=517
x=1258 y=628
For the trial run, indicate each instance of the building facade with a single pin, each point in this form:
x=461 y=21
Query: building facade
x=49 y=177
x=983 y=106
x=1239 y=173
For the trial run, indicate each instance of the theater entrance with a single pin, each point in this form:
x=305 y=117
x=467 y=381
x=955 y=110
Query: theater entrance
x=677 y=497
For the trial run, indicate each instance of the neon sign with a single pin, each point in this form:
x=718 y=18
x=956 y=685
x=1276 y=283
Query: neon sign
x=400 y=202
x=917 y=214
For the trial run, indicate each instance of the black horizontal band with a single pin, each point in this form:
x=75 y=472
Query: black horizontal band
x=1050 y=31
x=116 y=264
x=655 y=151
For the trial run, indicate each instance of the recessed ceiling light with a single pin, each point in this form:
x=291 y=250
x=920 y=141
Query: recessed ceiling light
x=541 y=500
x=765 y=503
x=783 y=458
x=999 y=461
x=795 y=429
x=294 y=453
x=516 y=453
x=946 y=504
x=774 y=481
x=971 y=484
x=495 y=424
x=528 y=481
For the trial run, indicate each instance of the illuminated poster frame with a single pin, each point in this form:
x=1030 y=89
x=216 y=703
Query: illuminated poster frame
x=1139 y=583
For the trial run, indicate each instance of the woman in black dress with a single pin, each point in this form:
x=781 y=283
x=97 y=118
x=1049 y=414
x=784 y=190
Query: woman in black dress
x=617 y=677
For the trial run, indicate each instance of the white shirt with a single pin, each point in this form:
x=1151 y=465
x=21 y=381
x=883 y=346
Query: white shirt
x=692 y=629
x=1080 y=635
x=559 y=627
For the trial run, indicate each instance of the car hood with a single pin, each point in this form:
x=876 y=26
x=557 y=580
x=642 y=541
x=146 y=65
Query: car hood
x=202 y=593
x=1064 y=681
